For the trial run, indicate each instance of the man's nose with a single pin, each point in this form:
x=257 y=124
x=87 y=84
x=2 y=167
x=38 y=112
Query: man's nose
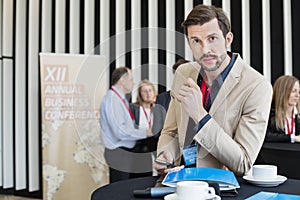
x=206 y=48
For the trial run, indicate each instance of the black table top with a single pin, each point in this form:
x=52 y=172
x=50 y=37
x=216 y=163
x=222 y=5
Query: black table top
x=285 y=156
x=123 y=190
x=282 y=146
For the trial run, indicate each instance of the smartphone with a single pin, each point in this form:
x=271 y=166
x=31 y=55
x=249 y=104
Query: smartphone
x=166 y=163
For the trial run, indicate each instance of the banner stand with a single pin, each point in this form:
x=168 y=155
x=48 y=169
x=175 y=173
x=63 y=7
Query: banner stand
x=72 y=87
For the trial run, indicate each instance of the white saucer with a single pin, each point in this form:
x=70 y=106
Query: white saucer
x=174 y=197
x=265 y=183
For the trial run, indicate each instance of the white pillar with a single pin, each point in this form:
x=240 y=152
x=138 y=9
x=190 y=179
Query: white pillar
x=246 y=31
x=188 y=6
x=74 y=26
x=46 y=25
x=153 y=39
x=288 y=44
x=60 y=25
x=136 y=42
x=120 y=33
x=20 y=96
x=33 y=96
x=266 y=39
x=170 y=41
x=89 y=26
x=7 y=81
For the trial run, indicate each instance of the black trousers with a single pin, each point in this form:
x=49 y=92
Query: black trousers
x=125 y=163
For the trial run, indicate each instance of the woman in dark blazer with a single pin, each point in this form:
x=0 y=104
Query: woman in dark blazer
x=284 y=121
x=279 y=135
x=147 y=114
x=145 y=108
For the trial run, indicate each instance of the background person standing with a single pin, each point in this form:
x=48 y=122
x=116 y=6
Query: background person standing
x=147 y=114
x=118 y=132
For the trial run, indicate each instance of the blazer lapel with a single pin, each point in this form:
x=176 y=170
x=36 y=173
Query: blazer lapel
x=230 y=82
x=195 y=69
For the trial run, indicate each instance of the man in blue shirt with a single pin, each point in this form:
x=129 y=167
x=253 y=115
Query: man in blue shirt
x=118 y=132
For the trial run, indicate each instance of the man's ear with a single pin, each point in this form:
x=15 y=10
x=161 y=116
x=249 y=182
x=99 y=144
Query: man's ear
x=121 y=80
x=229 y=39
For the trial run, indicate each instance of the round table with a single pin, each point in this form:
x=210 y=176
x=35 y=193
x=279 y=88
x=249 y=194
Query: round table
x=123 y=190
x=285 y=155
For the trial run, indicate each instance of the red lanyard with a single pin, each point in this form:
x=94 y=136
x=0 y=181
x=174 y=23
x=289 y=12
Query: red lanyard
x=205 y=93
x=127 y=107
x=290 y=131
x=149 y=120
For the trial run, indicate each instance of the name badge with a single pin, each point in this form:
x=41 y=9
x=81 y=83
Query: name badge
x=190 y=154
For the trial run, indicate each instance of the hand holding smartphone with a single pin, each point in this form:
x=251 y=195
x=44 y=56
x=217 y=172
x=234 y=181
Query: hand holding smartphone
x=166 y=163
x=164 y=158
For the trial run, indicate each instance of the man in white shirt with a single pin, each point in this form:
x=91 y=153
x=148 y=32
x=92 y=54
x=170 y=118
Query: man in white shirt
x=118 y=132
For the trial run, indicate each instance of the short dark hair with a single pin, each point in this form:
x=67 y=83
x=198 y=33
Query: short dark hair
x=179 y=62
x=118 y=73
x=202 y=14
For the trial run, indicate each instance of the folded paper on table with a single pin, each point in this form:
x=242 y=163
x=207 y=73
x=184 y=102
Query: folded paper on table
x=273 y=196
x=225 y=178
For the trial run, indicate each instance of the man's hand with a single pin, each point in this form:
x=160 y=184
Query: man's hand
x=190 y=97
x=149 y=132
x=164 y=163
x=297 y=138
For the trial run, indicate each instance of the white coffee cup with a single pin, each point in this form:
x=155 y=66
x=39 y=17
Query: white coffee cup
x=264 y=172
x=193 y=190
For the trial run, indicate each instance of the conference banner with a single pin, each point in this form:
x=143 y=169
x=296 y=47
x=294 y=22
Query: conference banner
x=72 y=87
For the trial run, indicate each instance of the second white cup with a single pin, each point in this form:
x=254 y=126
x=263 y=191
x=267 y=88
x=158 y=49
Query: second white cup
x=264 y=172
x=193 y=190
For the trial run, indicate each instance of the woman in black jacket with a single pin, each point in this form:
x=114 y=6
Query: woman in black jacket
x=147 y=114
x=284 y=120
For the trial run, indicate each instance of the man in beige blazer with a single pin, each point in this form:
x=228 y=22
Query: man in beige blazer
x=227 y=101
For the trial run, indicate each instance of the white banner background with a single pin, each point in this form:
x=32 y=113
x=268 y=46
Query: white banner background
x=72 y=87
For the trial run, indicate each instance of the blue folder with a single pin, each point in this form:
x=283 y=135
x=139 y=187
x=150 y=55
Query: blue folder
x=225 y=178
x=273 y=196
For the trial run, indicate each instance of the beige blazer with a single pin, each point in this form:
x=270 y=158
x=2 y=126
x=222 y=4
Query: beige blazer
x=235 y=133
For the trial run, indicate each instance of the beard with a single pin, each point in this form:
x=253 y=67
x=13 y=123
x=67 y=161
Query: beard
x=220 y=60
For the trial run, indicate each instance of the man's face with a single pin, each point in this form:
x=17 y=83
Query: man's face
x=128 y=82
x=208 y=44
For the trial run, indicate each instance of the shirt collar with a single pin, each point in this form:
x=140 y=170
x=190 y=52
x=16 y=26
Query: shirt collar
x=221 y=78
x=119 y=92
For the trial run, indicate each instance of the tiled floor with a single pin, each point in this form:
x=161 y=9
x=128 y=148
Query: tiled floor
x=10 y=197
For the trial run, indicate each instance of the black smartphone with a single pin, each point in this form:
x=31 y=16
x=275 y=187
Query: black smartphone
x=166 y=163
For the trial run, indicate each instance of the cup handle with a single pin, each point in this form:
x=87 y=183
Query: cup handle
x=211 y=191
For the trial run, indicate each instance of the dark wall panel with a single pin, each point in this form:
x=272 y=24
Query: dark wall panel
x=277 y=51
x=236 y=26
x=256 y=43
x=295 y=36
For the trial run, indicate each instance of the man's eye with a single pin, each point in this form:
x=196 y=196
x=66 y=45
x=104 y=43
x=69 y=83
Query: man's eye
x=212 y=38
x=195 y=41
